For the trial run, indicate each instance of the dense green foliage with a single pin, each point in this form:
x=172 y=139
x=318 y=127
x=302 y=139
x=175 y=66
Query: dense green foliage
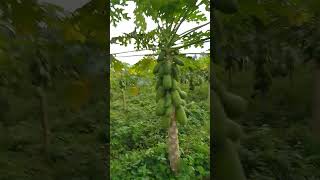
x=266 y=52
x=278 y=142
x=52 y=67
x=76 y=148
x=139 y=141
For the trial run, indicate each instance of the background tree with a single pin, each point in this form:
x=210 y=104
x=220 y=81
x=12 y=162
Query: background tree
x=168 y=15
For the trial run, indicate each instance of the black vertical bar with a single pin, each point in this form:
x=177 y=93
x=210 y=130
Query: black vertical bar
x=108 y=88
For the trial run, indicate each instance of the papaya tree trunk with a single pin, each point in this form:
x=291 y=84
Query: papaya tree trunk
x=173 y=144
x=316 y=103
x=44 y=119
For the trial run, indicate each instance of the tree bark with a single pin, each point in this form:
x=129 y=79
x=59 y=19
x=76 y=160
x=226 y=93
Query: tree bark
x=174 y=154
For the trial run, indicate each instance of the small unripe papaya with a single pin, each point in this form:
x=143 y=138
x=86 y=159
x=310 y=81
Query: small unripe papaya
x=161 y=56
x=167 y=82
x=181 y=115
x=233 y=130
x=183 y=94
x=234 y=105
x=176 y=98
x=183 y=102
x=175 y=72
x=174 y=84
x=159 y=83
x=160 y=110
x=168 y=99
x=160 y=93
x=156 y=68
x=167 y=68
x=161 y=70
x=169 y=110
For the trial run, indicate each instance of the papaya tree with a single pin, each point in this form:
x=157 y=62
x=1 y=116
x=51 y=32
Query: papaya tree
x=40 y=44
x=166 y=42
x=295 y=24
x=225 y=106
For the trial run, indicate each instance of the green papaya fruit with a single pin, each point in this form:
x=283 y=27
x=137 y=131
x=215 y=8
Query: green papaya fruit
x=176 y=98
x=183 y=94
x=174 y=84
x=156 y=68
x=159 y=83
x=181 y=115
x=175 y=72
x=161 y=70
x=233 y=130
x=178 y=61
x=183 y=102
x=226 y=6
x=161 y=56
x=228 y=165
x=167 y=68
x=168 y=99
x=234 y=105
x=219 y=117
x=160 y=93
x=160 y=110
x=169 y=110
x=167 y=81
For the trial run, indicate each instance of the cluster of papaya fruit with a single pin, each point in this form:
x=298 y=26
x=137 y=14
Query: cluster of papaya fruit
x=169 y=97
x=228 y=133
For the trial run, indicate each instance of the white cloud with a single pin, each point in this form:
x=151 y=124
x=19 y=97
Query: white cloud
x=128 y=26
